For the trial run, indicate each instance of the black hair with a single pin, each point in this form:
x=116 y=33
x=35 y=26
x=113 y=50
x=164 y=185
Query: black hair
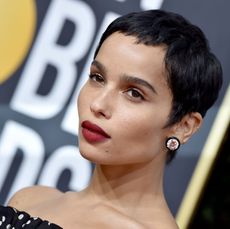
x=194 y=74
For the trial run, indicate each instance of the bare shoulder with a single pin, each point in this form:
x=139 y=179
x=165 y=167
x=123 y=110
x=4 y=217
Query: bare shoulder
x=31 y=196
x=162 y=223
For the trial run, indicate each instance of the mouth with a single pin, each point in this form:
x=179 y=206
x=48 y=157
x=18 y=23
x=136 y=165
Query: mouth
x=93 y=133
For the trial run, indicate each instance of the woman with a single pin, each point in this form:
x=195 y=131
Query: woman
x=150 y=84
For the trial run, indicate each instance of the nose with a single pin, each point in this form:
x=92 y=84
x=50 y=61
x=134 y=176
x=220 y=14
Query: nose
x=101 y=105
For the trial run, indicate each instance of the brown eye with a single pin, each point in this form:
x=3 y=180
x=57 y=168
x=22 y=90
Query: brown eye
x=96 y=77
x=135 y=94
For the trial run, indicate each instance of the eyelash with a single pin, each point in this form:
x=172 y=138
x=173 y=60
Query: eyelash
x=140 y=96
x=98 y=78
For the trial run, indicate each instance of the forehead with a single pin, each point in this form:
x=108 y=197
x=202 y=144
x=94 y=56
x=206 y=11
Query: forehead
x=121 y=54
x=120 y=48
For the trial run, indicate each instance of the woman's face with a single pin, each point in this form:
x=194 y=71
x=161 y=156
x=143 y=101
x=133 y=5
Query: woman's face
x=127 y=96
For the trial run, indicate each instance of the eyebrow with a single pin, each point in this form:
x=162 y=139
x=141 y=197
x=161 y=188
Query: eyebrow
x=136 y=80
x=99 y=65
x=126 y=78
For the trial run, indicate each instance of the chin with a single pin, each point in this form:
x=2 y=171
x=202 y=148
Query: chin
x=96 y=157
x=89 y=154
x=93 y=153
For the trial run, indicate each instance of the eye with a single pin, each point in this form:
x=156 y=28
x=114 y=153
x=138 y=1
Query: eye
x=135 y=94
x=96 y=77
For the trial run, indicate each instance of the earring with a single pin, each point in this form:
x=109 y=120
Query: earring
x=172 y=143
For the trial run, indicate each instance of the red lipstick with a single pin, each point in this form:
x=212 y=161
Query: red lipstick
x=93 y=133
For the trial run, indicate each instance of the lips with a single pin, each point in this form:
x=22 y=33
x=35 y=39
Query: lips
x=93 y=133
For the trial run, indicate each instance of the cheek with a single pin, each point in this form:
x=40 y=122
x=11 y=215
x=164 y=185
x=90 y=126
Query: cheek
x=142 y=128
x=139 y=137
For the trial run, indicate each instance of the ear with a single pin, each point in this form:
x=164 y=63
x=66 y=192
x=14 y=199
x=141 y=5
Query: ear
x=188 y=125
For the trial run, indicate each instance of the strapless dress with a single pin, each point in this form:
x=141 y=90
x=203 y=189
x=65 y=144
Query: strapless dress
x=11 y=218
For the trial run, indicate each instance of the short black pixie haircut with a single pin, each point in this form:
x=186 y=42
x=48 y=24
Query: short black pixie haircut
x=194 y=74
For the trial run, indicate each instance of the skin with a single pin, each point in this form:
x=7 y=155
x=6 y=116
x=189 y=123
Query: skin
x=126 y=187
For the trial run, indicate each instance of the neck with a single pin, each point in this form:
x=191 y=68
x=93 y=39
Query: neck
x=128 y=186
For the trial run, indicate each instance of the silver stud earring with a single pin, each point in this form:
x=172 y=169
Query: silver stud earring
x=172 y=143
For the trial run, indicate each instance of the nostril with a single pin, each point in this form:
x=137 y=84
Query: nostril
x=99 y=111
x=96 y=110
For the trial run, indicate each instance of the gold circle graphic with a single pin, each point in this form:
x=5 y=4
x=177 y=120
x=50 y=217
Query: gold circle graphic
x=17 y=27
